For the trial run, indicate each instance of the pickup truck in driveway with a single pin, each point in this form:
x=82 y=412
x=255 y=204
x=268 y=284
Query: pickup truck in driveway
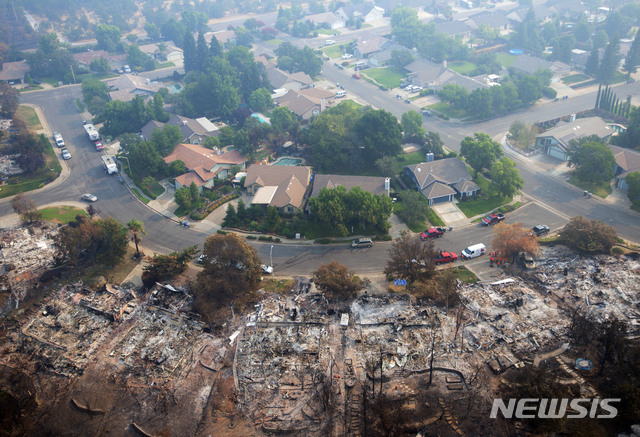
x=492 y=219
x=432 y=233
x=445 y=257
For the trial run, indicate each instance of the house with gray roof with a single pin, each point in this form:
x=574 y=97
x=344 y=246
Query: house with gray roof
x=555 y=142
x=13 y=72
x=453 y=29
x=627 y=161
x=368 y=12
x=439 y=181
x=291 y=81
x=424 y=73
x=378 y=59
x=194 y=131
x=328 y=19
x=528 y=64
x=496 y=20
x=369 y=44
x=372 y=184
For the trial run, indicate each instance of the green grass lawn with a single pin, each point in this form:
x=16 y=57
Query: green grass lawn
x=447 y=110
x=601 y=190
x=465 y=275
x=29 y=116
x=327 y=31
x=332 y=51
x=506 y=59
x=486 y=201
x=274 y=42
x=462 y=67
x=61 y=214
x=386 y=76
x=574 y=78
x=434 y=218
x=618 y=77
x=140 y=196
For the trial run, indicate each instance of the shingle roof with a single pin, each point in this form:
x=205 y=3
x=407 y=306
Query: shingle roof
x=465 y=186
x=627 y=160
x=14 y=70
x=195 y=155
x=148 y=128
x=372 y=184
x=187 y=178
x=448 y=170
x=453 y=28
x=323 y=17
x=91 y=55
x=278 y=77
x=128 y=86
x=292 y=182
x=494 y=20
x=370 y=43
x=437 y=189
x=581 y=127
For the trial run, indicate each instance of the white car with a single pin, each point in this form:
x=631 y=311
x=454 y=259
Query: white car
x=266 y=269
x=89 y=197
x=65 y=154
x=329 y=42
x=347 y=56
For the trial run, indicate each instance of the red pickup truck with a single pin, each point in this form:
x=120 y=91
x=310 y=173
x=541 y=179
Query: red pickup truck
x=445 y=257
x=432 y=233
x=492 y=219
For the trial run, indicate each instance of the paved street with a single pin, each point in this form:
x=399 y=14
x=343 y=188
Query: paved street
x=548 y=198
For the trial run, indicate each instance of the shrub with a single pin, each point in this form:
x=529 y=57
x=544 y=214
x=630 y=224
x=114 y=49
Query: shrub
x=251 y=237
x=323 y=241
x=221 y=232
x=549 y=93
x=617 y=251
x=383 y=237
x=253 y=225
x=277 y=240
x=265 y=238
x=383 y=88
x=427 y=92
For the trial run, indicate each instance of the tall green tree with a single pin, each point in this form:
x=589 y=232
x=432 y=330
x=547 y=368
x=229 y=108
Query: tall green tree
x=380 y=134
x=9 y=100
x=108 y=37
x=633 y=192
x=609 y=62
x=412 y=126
x=480 y=151
x=506 y=177
x=594 y=161
x=260 y=100
x=593 y=62
x=632 y=60
x=136 y=230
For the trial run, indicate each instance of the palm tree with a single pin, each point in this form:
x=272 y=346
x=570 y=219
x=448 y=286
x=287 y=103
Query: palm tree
x=136 y=228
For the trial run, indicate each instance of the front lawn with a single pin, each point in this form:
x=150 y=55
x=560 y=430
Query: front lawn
x=61 y=214
x=574 y=78
x=484 y=202
x=332 y=51
x=506 y=59
x=386 y=76
x=29 y=116
x=462 y=67
x=327 y=31
x=446 y=110
x=274 y=42
x=465 y=275
x=601 y=189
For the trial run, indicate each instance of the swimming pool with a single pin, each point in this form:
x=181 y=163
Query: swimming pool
x=288 y=161
x=260 y=117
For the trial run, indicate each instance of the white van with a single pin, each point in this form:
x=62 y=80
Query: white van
x=340 y=94
x=474 y=251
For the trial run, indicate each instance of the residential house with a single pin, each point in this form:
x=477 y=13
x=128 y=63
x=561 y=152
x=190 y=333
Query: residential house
x=13 y=72
x=291 y=81
x=86 y=58
x=326 y=19
x=367 y=12
x=542 y=14
x=453 y=29
x=306 y=103
x=530 y=64
x=496 y=20
x=369 y=44
x=383 y=57
x=627 y=161
x=223 y=36
x=204 y=164
x=555 y=142
x=170 y=52
x=194 y=131
x=285 y=187
x=373 y=184
x=428 y=74
x=128 y=86
x=439 y=181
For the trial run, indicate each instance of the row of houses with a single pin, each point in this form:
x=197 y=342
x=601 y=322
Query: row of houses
x=367 y=12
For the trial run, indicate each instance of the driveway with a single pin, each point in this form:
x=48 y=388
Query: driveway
x=450 y=213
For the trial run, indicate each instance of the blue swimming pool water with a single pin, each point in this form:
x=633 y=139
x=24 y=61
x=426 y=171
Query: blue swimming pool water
x=259 y=117
x=288 y=161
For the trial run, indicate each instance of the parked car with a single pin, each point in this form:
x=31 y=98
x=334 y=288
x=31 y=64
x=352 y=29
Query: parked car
x=127 y=69
x=432 y=233
x=356 y=75
x=540 y=230
x=89 y=197
x=492 y=219
x=99 y=146
x=426 y=112
x=267 y=270
x=404 y=85
x=407 y=101
x=347 y=56
x=329 y=42
x=473 y=251
x=361 y=242
x=65 y=154
x=445 y=257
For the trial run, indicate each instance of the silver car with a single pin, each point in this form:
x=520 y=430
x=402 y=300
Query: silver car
x=65 y=154
x=89 y=197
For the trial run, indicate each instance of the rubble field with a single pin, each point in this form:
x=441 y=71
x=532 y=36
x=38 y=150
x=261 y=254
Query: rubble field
x=118 y=362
